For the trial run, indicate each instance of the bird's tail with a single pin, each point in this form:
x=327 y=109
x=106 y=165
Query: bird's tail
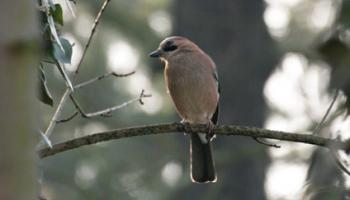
x=202 y=163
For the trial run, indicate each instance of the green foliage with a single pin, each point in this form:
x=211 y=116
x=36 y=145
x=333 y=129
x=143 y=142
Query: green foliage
x=57 y=14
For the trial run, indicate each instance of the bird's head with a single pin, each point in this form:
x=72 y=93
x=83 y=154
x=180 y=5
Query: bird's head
x=172 y=47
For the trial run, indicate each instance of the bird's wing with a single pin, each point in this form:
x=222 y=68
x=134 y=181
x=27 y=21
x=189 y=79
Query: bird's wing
x=216 y=77
x=215 y=117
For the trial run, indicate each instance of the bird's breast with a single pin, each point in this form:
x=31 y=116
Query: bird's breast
x=193 y=90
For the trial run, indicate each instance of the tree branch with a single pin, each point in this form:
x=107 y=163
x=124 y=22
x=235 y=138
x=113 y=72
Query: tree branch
x=92 y=33
x=83 y=84
x=107 y=111
x=227 y=130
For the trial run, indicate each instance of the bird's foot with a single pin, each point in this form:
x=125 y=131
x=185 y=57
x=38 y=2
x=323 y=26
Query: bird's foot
x=187 y=127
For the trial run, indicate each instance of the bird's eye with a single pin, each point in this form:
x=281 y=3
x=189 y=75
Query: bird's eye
x=169 y=46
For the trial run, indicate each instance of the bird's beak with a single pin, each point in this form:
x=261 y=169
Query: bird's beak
x=155 y=54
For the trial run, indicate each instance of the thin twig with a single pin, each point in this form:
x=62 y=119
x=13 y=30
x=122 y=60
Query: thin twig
x=320 y=124
x=93 y=30
x=64 y=75
x=68 y=118
x=83 y=84
x=228 y=130
x=64 y=97
x=106 y=112
x=57 y=113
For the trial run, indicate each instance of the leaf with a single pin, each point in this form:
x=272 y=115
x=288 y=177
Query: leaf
x=64 y=55
x=57 y=14
x=44 y=93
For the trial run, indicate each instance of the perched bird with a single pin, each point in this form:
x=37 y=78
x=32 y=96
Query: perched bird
x=192 y=82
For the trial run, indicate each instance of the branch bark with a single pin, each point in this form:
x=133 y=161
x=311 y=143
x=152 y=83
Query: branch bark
x=224 y=130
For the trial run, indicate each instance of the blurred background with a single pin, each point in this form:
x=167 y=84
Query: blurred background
x=279 y=62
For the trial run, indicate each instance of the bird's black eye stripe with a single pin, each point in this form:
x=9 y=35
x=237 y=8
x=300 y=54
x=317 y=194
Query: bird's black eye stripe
x=169 y=46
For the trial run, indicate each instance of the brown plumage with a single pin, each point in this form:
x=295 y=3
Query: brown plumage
x=191 y=79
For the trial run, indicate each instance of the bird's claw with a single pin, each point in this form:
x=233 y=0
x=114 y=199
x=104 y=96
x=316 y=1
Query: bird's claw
x=187 y=126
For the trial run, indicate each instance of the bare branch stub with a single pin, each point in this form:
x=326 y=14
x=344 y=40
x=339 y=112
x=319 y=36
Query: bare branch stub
x=143 y=95
x=68 y=118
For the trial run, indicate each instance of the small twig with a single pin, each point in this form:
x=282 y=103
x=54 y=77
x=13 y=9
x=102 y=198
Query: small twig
x=320 y=124
x=57 y=113
x=261 y=141
x=108 y=111
x=68 y=118
x=64 y=75
x=142 y=95
x=80 y=85
x=228 y=130
x=93 y=30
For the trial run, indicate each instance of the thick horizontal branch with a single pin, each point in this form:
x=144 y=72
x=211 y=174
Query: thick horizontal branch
x=227 y=130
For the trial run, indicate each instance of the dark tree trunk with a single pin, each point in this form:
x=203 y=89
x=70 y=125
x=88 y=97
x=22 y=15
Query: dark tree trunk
x=234 y=34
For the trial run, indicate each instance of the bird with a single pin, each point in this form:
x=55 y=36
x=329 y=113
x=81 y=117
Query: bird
x=192 y=82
